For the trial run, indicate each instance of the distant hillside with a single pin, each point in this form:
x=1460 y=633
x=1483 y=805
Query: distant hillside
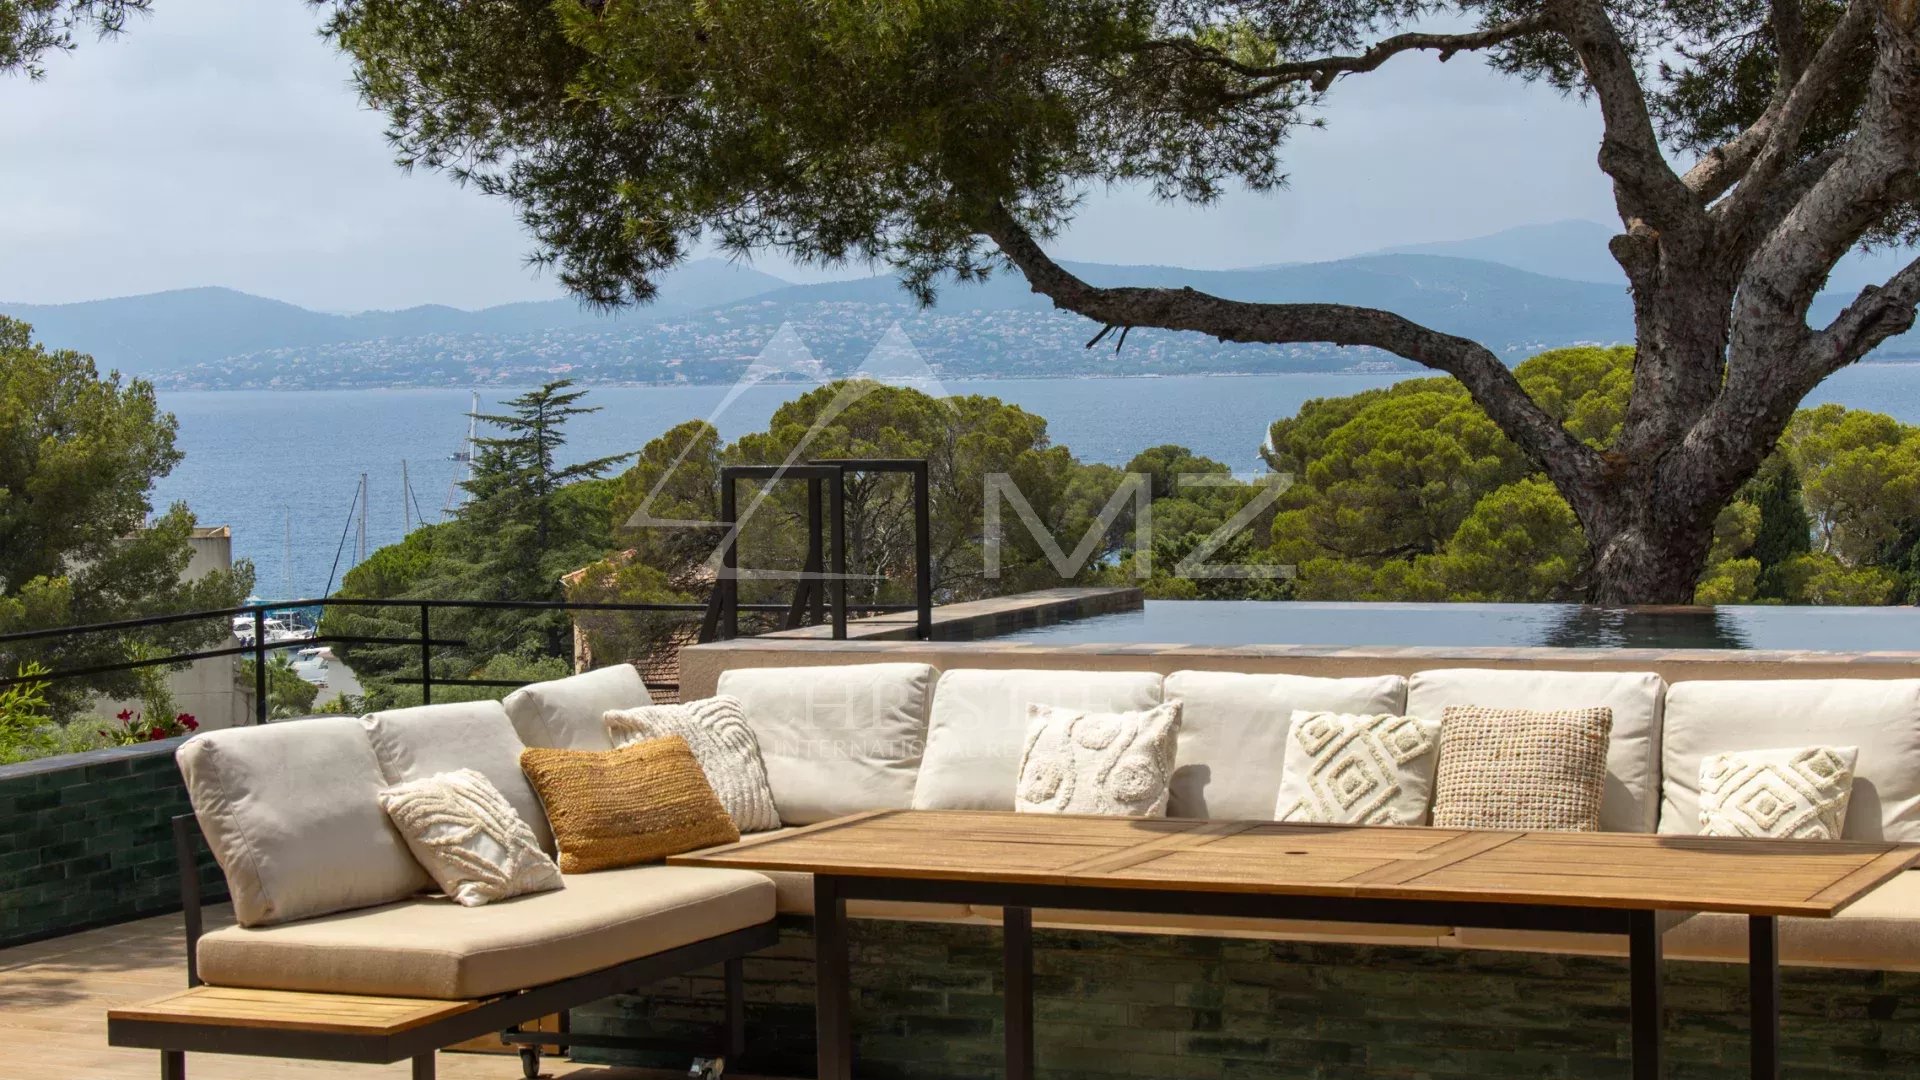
x=165 y=332
x=714 y=319
x=1576 y=250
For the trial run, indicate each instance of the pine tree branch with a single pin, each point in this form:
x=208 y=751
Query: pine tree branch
x=1322 y=71
x=1573 y=465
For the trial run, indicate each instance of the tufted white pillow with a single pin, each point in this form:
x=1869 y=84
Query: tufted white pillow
x=716 y=731
x=467 y=835
x=1344 y=768
x=1118 y=764
x=1790 y=794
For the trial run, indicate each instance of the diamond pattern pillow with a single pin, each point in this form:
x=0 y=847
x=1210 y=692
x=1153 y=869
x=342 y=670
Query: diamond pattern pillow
x=1345 y=768
x=1521 y=769
x=1790 y=794
x=1078 y=762
x=473 y=843
x=716 y=731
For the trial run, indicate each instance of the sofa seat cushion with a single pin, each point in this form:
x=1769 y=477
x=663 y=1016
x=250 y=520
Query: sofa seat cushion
x=978 y=729
x=1233 y=734
x=1879 y=716
x=434 y=948
x=1880 y=932
x=1631 y=799
x=836 y=739
x=1124 y=922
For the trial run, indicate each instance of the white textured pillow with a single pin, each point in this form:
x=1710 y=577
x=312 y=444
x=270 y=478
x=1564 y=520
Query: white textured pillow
x=1098 y=762
x=466 y=834
x=427 y=740
x=1790 y=794
x=716 y=731
x=1344 y=768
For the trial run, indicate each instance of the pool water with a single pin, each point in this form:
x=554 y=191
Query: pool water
x=1255 y=622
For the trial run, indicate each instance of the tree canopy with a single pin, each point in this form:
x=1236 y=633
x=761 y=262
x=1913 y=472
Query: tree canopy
x=79 y=454
x=30 y=29
x=1749 y=146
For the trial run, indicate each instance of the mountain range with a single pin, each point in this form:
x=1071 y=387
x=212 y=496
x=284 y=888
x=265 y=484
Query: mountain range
x=1517 y=291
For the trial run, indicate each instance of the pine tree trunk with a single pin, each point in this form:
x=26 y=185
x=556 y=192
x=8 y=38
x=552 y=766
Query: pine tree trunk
x=1648 y=557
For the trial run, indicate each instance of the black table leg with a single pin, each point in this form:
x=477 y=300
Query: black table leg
x=1763 y=975
x=173 y=1065
x=1643 y=939
x=423 y=1067
x=1017 y=929
x=736 y=984
x=832 y=988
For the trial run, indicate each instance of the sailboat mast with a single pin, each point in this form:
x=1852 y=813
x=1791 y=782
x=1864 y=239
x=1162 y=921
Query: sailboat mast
x=406 y=497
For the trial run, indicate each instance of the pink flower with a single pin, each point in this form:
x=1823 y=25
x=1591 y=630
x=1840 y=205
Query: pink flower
x=126 y=716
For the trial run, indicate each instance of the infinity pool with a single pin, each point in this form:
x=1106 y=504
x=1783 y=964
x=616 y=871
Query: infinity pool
x=1254 y=622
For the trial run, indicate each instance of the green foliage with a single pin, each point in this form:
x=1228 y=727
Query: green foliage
x=29 y=29
x=529 y=521
x=1407 y=493
x=78 y=457
x=288 y=695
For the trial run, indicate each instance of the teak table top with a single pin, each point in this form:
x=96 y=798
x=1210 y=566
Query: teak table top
x=1592 y=870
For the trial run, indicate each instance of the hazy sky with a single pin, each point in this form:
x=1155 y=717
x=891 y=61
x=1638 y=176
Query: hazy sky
x=219 y=143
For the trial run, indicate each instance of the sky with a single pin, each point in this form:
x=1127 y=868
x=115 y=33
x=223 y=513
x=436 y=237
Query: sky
x=219 y=142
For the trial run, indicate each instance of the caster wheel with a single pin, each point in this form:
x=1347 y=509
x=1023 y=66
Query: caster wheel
x=530 y=1062
x=707 y=1068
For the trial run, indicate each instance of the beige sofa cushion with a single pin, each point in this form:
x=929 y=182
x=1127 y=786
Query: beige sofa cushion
x=434 y=948
x=836 y=740
x=979 y=724
x=413 y=744
x=1631 y=801
x=566 y=714
x=1879 y=716
x=292 y=813
x=1233 y=733
x=1880 y=932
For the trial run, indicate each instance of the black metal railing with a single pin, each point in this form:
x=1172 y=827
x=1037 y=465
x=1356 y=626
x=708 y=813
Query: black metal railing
x=259 y=648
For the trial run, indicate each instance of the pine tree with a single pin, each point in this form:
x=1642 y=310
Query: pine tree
x=1785 y=529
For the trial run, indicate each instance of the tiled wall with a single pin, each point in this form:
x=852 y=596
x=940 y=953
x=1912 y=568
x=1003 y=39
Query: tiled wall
x=87 y=841
x=1114 y=1006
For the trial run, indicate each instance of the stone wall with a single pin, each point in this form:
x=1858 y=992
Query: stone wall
x=1200 y=1008
x=89 y=842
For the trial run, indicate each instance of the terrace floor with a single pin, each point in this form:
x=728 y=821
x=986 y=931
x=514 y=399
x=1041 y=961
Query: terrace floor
x=54 y=997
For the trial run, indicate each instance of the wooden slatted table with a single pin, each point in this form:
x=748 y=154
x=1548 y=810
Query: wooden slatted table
x=1631 y=884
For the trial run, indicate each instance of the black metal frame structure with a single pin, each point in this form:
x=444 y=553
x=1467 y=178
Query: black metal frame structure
x=259 y=648
x=1643 y=929
x=826 y=480
x=502 y=1014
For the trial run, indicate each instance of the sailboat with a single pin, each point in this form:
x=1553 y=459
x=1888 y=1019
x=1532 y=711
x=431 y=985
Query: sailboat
x=464 y=455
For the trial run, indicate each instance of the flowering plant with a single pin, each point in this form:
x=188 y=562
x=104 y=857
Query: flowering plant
x=137 y=728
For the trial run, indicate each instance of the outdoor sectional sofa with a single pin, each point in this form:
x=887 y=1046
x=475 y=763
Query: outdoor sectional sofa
x=326 y=893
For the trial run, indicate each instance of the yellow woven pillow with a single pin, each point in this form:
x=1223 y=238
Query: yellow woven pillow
x=642 y=802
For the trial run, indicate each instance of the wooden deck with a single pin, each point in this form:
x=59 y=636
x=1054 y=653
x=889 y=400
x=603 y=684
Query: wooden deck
x=54 y=997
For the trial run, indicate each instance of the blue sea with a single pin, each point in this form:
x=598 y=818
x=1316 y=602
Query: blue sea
x=281 y=468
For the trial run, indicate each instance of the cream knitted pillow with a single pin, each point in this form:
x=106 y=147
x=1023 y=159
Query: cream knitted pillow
x=1098 y=763
x=1521 y=769
x=1342 y=768
x=470 y=839
x=716 y=731
x=1797 y=794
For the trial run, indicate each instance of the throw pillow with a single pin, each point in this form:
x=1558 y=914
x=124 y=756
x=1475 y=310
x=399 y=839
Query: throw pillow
x=1344 y=768
x=1098 y=762
x=612 y=808
x=1798 y=794
x=1521 y=769
x=716 y=731
x=469 y=837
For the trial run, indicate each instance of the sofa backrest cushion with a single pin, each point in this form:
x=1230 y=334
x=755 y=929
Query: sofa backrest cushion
x=1631 y=801
x=292 y=813
x=416 y=743
x=1880 y=716
x=979 y=727
x=1233 y=733
x=836 y=739
x=566 y=714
